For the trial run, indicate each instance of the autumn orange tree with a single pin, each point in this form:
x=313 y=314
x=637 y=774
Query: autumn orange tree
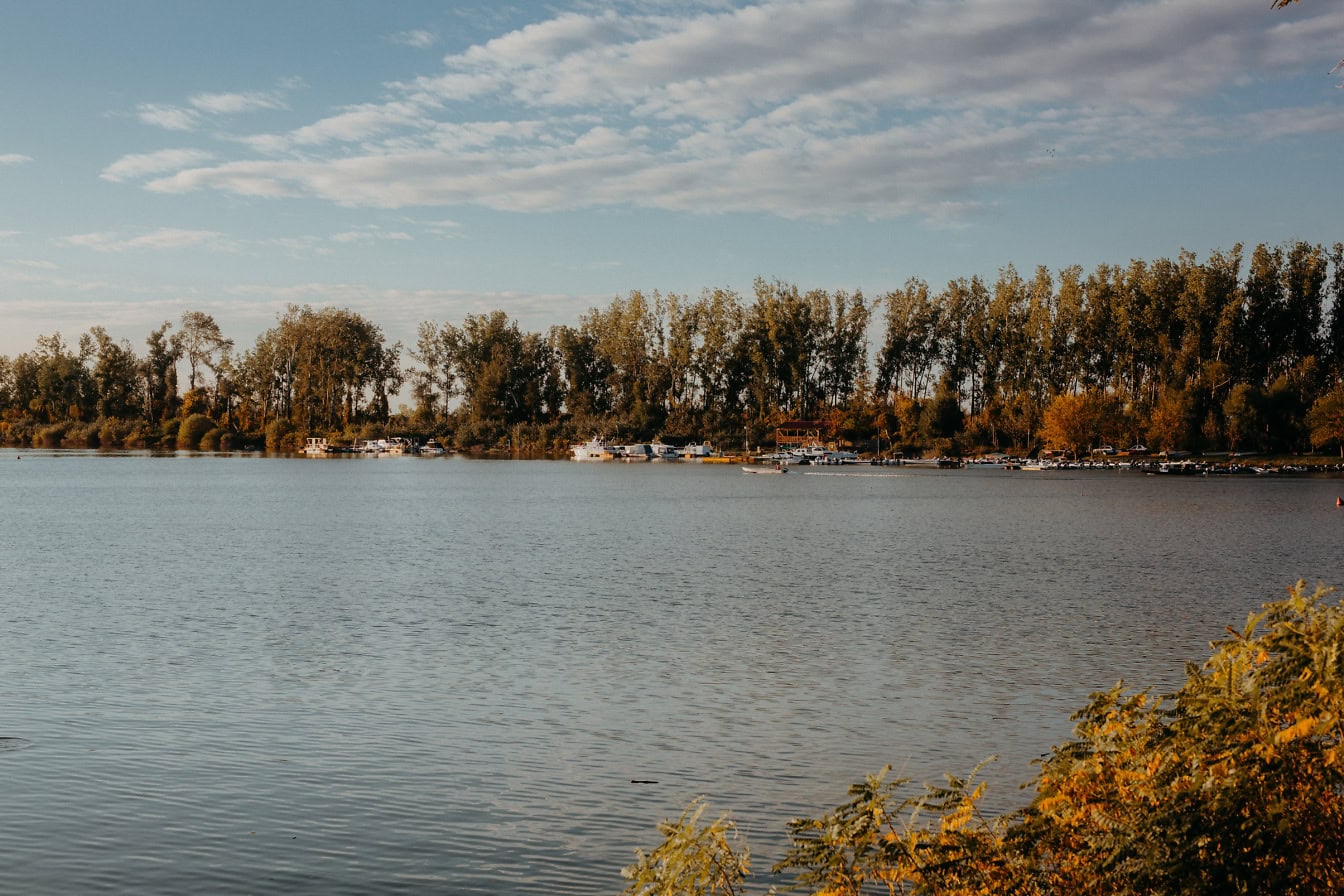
x=1234 y=784
x=1075 y=421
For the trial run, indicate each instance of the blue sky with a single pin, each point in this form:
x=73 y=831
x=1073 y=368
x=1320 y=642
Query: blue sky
x=427 y=160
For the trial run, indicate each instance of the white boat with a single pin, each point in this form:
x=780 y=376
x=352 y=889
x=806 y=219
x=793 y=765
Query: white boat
x=432 y=448
x=394 y=445
x=638 y=452
x=778 y=457
x=664 y=452
x=809 y=454
x=697 y=452
x=831 y=458
x=777 y=469
x=316 y=446
x=595 y=448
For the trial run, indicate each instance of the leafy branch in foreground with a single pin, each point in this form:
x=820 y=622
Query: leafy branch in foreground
x=1234 y=784
x=693 y=859
x=935 y=841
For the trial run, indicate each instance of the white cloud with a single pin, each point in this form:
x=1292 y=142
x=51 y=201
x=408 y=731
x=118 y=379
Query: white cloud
x=170 y=118
x=143 y=164
x=14 y=158
x=349 y=125
x=371 y=235
x=206 y=106
x=164 y=238
x=418 y=39
x=800 y=108
x=235 y=103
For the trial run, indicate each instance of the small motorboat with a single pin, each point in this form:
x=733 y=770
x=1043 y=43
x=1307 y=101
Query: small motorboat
x=777 y=468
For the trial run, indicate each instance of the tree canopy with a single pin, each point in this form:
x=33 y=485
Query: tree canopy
x=1231 y=352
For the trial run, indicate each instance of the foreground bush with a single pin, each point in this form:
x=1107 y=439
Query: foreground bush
x=1235 y=784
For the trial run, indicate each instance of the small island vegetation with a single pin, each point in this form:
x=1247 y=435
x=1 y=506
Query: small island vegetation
x=1229 y=354
x=1234 y=784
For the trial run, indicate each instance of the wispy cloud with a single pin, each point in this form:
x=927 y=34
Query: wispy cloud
x=418 y=39
x=170 y=118
x=14 y=158
x=798 y=108
x=164 y=238
x=206 y=106
x=140 y=165
x=236 y=103
x=371 y=235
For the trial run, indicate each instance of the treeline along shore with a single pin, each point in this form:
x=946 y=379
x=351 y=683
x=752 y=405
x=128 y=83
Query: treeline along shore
x=1228 y=353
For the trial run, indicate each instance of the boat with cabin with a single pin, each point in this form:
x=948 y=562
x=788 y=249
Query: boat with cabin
x=664 y=452
x=638 y=452
x=696 y=451
x=596 y=448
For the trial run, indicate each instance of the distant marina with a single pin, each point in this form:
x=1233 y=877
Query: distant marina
x=1137 y=459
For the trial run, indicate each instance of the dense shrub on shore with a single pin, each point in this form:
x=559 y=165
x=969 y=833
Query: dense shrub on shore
x=1234 y=784
x=192 y=429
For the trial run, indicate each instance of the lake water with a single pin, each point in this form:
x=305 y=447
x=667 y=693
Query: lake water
x=237 y=674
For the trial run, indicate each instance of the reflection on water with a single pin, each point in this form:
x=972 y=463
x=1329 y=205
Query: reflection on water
x=307 y=675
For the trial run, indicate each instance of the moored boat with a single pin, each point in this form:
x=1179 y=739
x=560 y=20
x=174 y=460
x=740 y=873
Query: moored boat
x=595 y=448
x=638 y=452
x=696 y=451
x=664 y=452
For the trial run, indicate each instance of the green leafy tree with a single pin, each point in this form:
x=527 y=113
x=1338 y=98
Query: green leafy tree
x=1244 y=412
x=587 y=373
x=964 y=303
x=502 y=371
x=52 y=382
x=201 y=342
x=911 y=344
x=158 y=371
x=115 y=374
x=322 y=369
x=628 y=340
x=720 y=361
x=434 y=383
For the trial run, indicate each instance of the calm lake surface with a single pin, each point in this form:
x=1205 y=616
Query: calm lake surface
x=236 y=674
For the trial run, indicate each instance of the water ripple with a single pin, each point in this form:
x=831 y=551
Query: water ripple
x=289 y=676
